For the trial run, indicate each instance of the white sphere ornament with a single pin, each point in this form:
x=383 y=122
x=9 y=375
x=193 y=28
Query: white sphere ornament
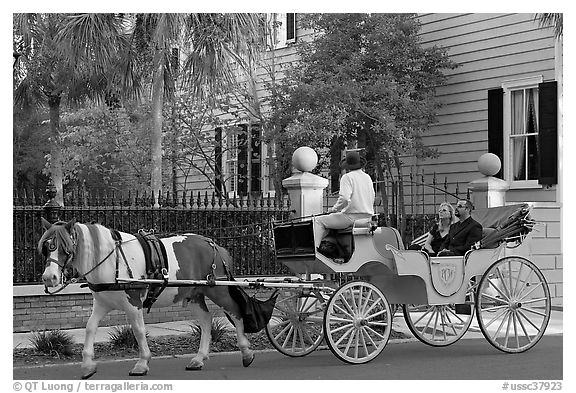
x=304 y=159
x=489 y=164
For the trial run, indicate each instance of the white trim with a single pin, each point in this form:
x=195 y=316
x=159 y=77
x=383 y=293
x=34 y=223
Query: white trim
x=524 y=184
x=509 y=86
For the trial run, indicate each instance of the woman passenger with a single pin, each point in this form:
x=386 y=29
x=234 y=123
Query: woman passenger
x=439 y=231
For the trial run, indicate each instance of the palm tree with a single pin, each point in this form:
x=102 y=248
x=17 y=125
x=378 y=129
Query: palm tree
x=551 y=20
x=214 y=48
x=45 y=75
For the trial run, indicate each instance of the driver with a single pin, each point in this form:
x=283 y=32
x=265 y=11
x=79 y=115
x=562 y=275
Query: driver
x=355 y=200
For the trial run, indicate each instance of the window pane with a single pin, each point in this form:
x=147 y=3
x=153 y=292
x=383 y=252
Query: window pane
x=523 y=134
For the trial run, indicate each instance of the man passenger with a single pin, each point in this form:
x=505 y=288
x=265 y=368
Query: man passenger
x=463 y=234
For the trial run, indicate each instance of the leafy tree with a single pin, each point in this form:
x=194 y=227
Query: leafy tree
x=107 y=148
x=213 y=47
x=190 y=137
x=364 y=77
x=49 y=72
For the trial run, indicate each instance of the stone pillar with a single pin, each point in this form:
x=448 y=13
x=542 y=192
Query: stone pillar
x=306 y=190
x=488 y=191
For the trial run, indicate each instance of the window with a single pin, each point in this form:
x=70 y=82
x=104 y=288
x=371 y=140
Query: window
x=239 y=160
x=523 y=143
x=282 y=30
x=522 y=131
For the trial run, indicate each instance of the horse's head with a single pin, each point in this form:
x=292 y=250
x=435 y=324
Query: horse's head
x=58 y=246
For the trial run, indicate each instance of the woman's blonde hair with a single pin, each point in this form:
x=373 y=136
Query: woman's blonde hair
x=450 y=208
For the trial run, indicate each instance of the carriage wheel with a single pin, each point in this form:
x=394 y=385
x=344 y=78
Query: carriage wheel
x=440 y=325
x=513 y=304
x=357 y=322
x=295 y=328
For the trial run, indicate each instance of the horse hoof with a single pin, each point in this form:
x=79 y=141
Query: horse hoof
x=246 y=361
x=88 y=374
x=138 y=373
x=194 y=367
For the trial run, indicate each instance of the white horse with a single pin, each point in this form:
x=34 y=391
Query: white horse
x=92 y=252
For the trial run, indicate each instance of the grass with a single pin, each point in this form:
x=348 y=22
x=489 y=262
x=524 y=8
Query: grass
x=219 y=328
x=54 y=343
x=123 y=337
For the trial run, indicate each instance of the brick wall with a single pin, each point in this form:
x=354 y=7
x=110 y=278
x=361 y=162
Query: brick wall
x=43 y=312
x=546 y=248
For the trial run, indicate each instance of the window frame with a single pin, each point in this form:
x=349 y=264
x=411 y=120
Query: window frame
x=278 y=29
x=508 y=87
x=230 y=157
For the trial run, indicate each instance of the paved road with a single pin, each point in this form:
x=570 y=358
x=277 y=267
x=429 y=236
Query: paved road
x=473 y=359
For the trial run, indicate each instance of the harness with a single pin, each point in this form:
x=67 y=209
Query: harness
x=156 y=267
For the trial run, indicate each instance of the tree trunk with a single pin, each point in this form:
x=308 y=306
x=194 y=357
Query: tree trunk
x=401 y=208
x=156 y=134
x=56 y=171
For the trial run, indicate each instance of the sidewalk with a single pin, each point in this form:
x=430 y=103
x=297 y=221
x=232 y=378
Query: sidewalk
x=22 y=340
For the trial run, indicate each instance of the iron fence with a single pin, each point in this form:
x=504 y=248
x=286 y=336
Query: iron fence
x=242 y=226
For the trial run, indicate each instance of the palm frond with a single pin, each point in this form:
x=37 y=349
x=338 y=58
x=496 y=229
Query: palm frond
x=551 y=20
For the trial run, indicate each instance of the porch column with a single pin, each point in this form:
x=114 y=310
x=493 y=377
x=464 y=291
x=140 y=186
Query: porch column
x=488 y=191
x=306 y=190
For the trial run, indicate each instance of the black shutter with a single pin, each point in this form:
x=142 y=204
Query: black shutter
x=290 y=26
x=255 y=159
x=496 y=126
x=548 y=132
x=243 y=160
x=218 y=161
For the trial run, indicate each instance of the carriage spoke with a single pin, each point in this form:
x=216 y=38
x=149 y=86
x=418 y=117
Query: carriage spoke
x=510 y=315
x=535 y=287
x=505 y=298
x=500 y=327
x=288 y=336
x=372 y=316
x=525 y=282
x=345 y=312
x=375 y=332
x=523 y=327
x=518 y=280
x=521 y=314
x=354 y=307
x=496 y=317
x=346 y=326
x=530 y=310
x=515 y=330
x=367 y=302
x=503 y=282
x=428 y=311
x=541 y=299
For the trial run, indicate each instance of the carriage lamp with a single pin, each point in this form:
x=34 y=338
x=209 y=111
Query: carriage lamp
x=51 y=208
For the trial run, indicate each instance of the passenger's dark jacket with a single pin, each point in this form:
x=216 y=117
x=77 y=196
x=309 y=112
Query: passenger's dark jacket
x=462 y=236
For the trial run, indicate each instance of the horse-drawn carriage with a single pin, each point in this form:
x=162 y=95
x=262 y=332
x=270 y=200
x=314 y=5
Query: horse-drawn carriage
x=495 y=283
x=348 y=303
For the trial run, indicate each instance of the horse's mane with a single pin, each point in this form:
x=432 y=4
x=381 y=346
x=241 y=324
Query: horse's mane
x=61 y=235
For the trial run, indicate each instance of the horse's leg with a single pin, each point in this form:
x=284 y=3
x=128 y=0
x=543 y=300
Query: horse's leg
x=200 y=310
x=243 y=343
x=99 y=311
x=135 y=316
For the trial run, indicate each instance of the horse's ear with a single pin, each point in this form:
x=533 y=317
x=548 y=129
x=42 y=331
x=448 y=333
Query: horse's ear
x=45 y=223
x=70 y=224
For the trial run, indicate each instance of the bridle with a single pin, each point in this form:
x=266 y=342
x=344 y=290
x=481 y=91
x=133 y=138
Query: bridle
x=69 y=259
x=62 y=266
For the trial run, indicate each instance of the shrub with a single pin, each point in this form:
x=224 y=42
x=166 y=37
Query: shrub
x=53 y=342
x=123 y=337
x=217 y=331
